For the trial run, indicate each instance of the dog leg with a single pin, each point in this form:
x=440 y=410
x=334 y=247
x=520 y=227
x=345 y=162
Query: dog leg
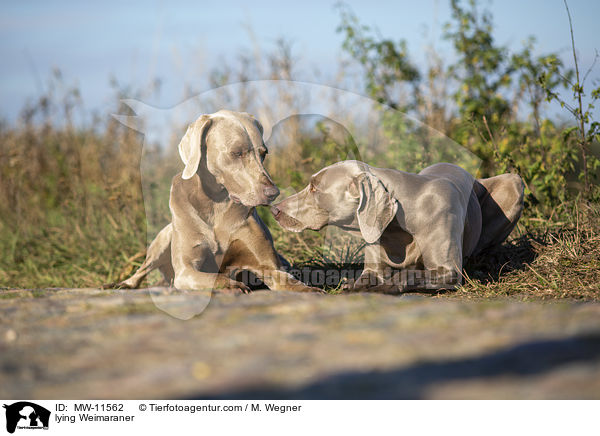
x=189 y=278
x=373 y=273
x=158 y=256
x=278 y=280
x=251 y=251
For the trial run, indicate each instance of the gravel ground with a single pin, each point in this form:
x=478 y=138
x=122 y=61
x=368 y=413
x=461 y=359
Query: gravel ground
x=90 y=343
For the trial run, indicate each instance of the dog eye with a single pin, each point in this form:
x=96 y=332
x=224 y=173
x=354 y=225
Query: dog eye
x=237 y=153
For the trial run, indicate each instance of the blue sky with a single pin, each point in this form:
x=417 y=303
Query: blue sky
x=180 y=42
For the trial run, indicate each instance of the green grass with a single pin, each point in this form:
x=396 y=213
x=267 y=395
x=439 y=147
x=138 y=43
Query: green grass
x=71 y=251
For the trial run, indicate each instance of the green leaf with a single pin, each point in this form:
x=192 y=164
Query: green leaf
x=567 y=132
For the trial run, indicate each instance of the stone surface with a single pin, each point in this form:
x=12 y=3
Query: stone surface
x=89 y=343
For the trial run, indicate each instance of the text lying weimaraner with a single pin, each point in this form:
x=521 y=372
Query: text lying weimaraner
x=215 y=232
x=417 y=227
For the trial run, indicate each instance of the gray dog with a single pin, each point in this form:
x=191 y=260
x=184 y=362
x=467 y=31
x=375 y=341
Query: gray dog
x=215 y=232
x=418 y=227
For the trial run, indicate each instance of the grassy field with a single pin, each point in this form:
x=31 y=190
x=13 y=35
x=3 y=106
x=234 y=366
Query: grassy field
x=73 y=216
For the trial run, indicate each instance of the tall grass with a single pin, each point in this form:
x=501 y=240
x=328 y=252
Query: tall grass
x=70 y=197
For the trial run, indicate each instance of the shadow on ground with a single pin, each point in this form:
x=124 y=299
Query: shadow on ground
x=525 y=360
x=490 y=265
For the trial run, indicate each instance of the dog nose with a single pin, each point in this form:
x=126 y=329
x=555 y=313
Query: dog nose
x=271 y=192
x=275 y=211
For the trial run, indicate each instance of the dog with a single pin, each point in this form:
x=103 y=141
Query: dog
x=418 y=228
x=216 y=234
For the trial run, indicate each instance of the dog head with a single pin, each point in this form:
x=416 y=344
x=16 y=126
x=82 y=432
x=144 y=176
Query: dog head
x=346 y=195
x=228 y=147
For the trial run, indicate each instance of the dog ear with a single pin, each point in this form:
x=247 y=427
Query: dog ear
x=376 y=207
x=259 y=126
x=190 y=147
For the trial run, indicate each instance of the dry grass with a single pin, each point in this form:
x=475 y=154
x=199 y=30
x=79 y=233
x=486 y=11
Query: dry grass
x=549 y=260
x=71 y=209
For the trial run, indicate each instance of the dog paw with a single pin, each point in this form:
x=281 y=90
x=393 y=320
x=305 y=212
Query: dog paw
x=231 y=291
x=367 y=280
x=115 y=286
x=233 y=288
x=240 y=287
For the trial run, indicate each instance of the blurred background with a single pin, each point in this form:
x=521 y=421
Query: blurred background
x=495 y=87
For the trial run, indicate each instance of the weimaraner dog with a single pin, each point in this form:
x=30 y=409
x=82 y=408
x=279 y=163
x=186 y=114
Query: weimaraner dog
x=215 y=232
x=442 y=215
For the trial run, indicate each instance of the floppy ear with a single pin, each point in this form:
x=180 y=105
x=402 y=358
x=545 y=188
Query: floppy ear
x=259 y=126
x=190 y=146
x=376 y=207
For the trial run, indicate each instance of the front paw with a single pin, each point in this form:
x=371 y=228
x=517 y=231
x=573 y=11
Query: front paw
x=239 y=287
x=228 y=286
x=368 y=279
x=117 y=285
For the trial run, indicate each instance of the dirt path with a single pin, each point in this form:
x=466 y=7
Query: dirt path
x=117 y=344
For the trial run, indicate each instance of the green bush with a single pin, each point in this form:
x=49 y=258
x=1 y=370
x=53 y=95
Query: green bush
x=484 y=112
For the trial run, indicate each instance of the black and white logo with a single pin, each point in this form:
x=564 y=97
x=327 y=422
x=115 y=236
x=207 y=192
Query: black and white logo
x=26 y=415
